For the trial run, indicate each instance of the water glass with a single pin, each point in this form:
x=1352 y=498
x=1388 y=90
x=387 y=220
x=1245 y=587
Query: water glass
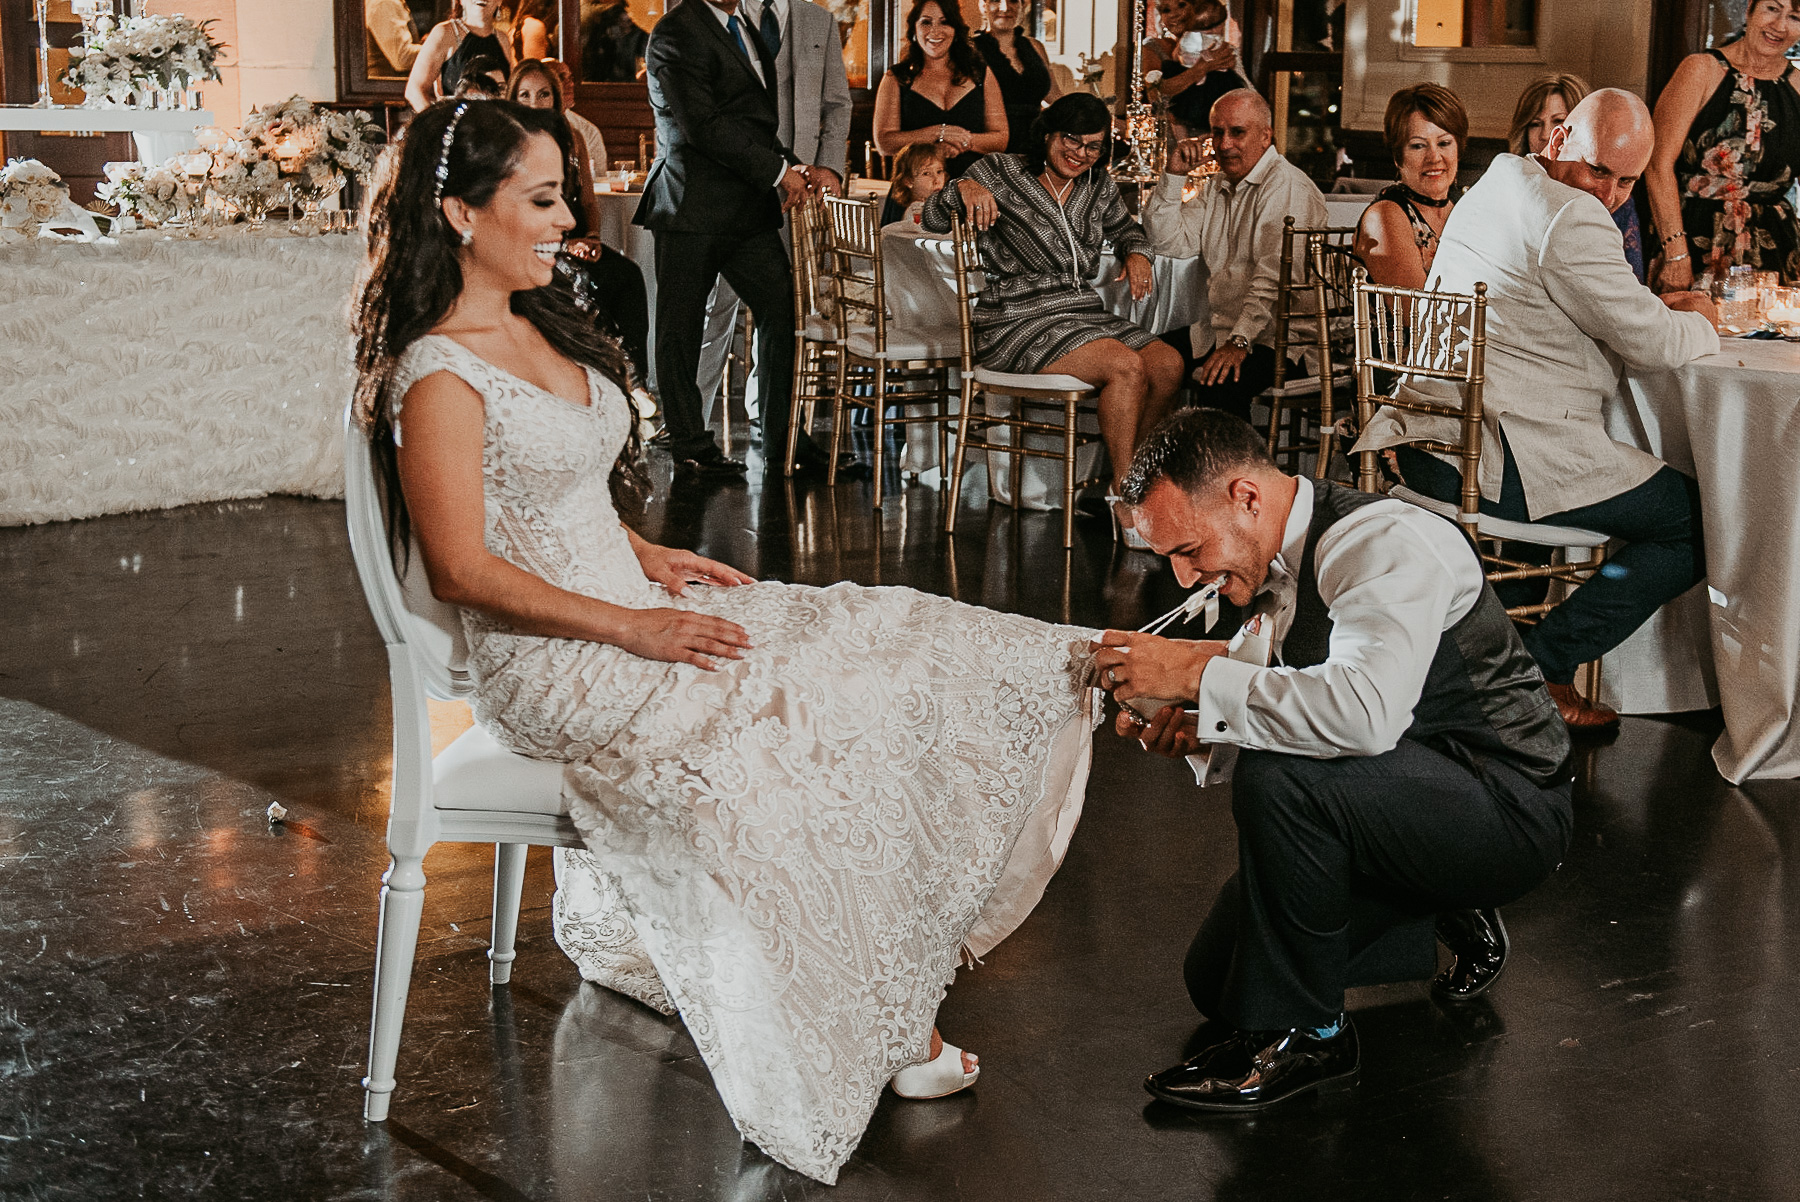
x=622 y=169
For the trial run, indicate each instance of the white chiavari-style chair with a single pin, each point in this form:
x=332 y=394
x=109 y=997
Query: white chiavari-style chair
x=474 y=791
x=1312 y=312
x=1032 y=393
x=901 y=369
x=1422 y=335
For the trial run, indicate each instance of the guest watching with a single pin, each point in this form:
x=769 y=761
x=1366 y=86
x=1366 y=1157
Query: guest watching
x=918 y=172
x=1043 y=217
x=1563 y=311
x=941 y=90
x=1426 y=128
x=1544 y=105
x=1020 y=64
x=1728 y=127
x=584 y=129
x=1197 y=60
x=1235 y=224
x=606 y=281
x=483 y=78
x=449 y=48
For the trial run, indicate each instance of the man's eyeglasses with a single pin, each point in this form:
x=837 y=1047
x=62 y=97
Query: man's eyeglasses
x=1076 y=148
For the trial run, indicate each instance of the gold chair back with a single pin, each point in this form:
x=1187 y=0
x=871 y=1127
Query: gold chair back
x=1297 y=293
x=852 y=244
x=1425 y=335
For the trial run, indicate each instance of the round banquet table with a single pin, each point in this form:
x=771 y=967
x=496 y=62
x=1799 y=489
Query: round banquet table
x=151 y=372
x=1732 y=421
x=920 y=276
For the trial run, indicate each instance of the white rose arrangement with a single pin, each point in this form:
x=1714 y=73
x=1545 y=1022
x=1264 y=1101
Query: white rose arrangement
x=150 y=193
x=30 y=194
x=128 y=54
x=240 y=172
x=313 y=146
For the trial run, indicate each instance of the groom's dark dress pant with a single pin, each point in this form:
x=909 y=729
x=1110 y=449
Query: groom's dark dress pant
x=1343 y=866
x=756 y=267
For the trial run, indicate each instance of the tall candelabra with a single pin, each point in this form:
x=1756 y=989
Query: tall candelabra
x=1140 y=144
x=43 y=19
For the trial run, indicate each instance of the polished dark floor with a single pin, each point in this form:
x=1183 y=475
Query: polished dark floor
x=184 y=989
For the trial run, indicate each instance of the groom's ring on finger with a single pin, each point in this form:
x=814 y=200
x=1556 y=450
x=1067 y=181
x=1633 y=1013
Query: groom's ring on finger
x=1112 y=678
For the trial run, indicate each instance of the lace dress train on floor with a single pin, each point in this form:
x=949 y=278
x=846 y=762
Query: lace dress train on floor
x=793 y=851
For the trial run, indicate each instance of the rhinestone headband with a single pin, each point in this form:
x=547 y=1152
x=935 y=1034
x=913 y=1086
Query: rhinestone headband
x=443 y=167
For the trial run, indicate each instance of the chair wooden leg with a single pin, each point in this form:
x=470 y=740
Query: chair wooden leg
x=962 y=442
x=943 y=425
x=396 y=941
x=880 y=424
x=509 y=883
x=797 y=391
x=1069 y=406
x=837 y=416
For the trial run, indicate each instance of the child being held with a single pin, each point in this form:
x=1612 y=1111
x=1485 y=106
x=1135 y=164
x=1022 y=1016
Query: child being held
x=918 y=172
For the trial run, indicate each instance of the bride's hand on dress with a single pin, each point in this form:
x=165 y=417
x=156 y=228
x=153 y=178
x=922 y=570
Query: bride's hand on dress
x=675 y=570
x=678 y=636
x=1145 y=665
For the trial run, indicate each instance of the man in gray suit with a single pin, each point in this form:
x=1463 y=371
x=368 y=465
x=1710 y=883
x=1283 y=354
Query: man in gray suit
x=813 y=95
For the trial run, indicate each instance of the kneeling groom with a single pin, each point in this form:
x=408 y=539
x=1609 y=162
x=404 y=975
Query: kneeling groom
x=1396 y=763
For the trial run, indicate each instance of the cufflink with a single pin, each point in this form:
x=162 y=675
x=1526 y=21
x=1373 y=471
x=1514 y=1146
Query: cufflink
x=1221 y=726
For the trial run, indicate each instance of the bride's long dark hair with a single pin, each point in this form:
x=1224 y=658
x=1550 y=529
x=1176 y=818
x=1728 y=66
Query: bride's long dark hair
x=412 y=276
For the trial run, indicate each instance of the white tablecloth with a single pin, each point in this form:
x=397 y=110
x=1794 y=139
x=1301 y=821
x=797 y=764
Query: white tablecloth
x=920 y=275
x=153 y=372
x=1732 y=421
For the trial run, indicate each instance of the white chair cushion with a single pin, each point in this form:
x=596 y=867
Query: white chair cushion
x=477 y=773
x=1305 y=386
x=1536 y=533
x=999 y=380
x=903 y=345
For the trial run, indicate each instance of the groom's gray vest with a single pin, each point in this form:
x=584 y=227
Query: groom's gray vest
x=1484 y=698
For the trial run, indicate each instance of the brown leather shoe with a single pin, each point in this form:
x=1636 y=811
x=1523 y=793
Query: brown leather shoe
x=1581 y=716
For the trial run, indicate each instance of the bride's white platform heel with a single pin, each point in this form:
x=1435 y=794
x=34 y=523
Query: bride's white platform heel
x=936 y=1078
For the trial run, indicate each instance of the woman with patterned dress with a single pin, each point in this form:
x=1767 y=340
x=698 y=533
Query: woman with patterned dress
x=1042 y=220
x=801 y=806
x=1727 y=149
x=1397 y=238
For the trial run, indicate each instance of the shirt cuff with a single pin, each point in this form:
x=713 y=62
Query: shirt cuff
x=1224 y=700
x=1172 y=186
x=781 y=175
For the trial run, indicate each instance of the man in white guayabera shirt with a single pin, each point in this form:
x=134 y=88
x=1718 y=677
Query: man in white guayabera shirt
x=1396 y=763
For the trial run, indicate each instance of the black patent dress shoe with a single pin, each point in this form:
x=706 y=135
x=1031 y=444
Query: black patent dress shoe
x=1478 y=946
x=714 y=466
x=1254 y=1070
x=811 y=457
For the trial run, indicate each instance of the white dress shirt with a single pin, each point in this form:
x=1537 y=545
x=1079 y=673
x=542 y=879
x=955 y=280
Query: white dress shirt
x=1394 y=578
x=743 y=16
x=1237 y=229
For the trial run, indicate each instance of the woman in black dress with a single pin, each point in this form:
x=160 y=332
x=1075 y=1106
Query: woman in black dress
x=940 y=90
x=1727 y=149
x=449 y=48
x=1020 y=65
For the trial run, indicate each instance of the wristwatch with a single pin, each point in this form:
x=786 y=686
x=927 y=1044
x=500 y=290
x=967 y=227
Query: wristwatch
x=1239 y=341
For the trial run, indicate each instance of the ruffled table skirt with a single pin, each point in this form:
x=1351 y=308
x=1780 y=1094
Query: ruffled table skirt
x=153 y=372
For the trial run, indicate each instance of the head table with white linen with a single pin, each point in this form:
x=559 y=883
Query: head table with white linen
x=156 y=371
x=1732 y=421
x=920 y=276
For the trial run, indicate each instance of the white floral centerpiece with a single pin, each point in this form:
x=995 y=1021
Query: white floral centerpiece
x=140 y=192
x=130 y=57
x=247 y=178
x=30 y=195
x=313 y=145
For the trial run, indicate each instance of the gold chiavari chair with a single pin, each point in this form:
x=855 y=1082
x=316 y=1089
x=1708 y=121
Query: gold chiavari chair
x=899 y=368
x=1313 y=290
x=1443 y=336
x=1031 y=392
x=815 y=333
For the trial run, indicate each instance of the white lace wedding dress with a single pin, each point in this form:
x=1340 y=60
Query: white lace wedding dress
x=795 y=850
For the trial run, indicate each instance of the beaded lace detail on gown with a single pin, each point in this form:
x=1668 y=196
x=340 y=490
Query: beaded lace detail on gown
x=793 y=851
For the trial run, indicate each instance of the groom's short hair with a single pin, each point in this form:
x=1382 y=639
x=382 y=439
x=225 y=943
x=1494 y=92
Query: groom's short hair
x=1194 y=450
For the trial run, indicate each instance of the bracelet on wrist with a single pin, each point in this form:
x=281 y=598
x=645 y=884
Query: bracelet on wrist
x=1678 y=234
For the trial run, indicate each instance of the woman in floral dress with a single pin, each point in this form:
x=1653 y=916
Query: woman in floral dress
x=1727 y=150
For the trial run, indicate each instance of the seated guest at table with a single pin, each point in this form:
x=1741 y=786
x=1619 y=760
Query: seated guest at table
x=482 y=79
x=1563 y=311
x=1426 y=128
x=584 y=129
x=941 y=90
x=1043 y=218
x=448 y=49
x=918 y=172
x=1235 y=224
x=606 y=281
x=1720 y=194
x=1198 y=61
x=1021 y=66
x=1544 y=105
x=1395 y=766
